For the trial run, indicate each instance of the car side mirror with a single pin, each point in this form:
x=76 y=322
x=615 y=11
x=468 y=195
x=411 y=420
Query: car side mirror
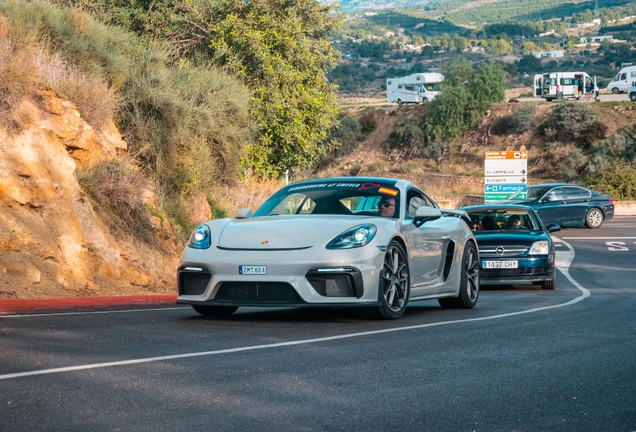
x=553 y=228
x=424 y=214
x=243 y=213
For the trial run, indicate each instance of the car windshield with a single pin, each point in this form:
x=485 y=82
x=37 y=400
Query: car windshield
x=531 y=193
x=498 y=220
x=334 y=198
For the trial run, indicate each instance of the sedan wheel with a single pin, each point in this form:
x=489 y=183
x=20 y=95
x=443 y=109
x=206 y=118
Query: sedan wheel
x=469 y=282
x=549 y=285
x=215 y=311
x=594 y=218
x=395 y=284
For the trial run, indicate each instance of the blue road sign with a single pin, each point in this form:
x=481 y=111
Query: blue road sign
x=504 y=188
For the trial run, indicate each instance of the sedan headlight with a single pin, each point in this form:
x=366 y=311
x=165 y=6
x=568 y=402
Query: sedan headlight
x=200 y=238
x=357 y=236
x=540 y=248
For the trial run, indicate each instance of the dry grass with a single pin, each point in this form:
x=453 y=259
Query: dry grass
x=25 y=66
x=115 y=188
x=94 y=99
x=17 y=79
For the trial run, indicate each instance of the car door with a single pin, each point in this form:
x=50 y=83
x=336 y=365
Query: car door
x=426 y=244
x=576 y=203
x=551 y=206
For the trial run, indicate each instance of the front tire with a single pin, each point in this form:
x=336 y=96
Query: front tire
x=632 y=97
x=615 y=90
x=469 y=282
x=551 y=284
x=395 y=284
x=215 y=311
x=400 y=102
x=594 y=218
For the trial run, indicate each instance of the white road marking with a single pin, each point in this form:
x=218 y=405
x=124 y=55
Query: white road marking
x=598 y=238
x=564 y=258
x=90 y=312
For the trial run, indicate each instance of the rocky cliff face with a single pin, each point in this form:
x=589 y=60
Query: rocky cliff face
x=52 y=243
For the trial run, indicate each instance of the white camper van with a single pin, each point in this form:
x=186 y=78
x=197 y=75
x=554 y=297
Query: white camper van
x=564 y=85
x=415 y=88
x=623 y=80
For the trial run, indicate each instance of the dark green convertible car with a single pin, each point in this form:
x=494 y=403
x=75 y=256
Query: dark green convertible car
x=514 y=245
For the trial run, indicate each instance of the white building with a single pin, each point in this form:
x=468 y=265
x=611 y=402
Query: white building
x=548 y=54
x=597 y=39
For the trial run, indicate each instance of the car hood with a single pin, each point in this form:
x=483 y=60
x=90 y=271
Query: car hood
x=509 y=238
x=285 y=232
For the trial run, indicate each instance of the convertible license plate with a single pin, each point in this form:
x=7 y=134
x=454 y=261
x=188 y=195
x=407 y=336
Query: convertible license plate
x=253 y=270
x=500 y=264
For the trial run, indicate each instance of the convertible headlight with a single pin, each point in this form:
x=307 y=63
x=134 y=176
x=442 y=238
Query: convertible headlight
x=357 y=236
x=200 y=238
x=539 y=248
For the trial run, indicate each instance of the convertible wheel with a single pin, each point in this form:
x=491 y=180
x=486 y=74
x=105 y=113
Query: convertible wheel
x=469 y=282
x=395 y=284
x=594 y=218
x=549 y=285
x=215 y=311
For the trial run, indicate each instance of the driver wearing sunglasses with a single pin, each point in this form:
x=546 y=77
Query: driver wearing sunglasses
x=386 y=207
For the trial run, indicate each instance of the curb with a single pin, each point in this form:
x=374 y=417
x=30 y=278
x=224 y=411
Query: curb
x=13 y=306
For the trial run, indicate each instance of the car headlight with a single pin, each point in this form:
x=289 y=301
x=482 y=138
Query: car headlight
x=539 y=248
x=201 y=238
x=357 y=236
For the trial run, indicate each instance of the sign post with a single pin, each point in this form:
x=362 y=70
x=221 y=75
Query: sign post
x=506 y=172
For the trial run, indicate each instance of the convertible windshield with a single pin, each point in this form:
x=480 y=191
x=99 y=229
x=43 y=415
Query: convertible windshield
x=503 y=219
x=530 y=194
x=333 y=198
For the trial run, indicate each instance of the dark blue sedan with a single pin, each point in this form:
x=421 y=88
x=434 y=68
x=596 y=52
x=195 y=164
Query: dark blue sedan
x=514 y=245
x=566 y=204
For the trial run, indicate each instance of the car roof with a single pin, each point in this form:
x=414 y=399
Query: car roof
x=493 y=206
x=552 y=185
x=400 y=184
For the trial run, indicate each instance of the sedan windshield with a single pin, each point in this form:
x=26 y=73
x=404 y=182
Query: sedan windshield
x=334 y=198
x=503 y=219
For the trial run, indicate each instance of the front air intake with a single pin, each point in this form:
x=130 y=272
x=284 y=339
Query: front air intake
x=193 y=283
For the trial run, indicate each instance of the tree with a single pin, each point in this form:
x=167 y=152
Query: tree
x=465 y=94
x=529 y=64
x=281 y=50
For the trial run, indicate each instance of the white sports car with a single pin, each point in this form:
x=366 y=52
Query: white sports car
x=357 y=242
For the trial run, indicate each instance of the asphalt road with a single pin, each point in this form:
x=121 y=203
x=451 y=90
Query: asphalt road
x=523 y=359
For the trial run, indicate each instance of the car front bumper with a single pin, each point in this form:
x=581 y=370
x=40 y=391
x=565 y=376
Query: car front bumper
x=347 y=277
x=529 y=270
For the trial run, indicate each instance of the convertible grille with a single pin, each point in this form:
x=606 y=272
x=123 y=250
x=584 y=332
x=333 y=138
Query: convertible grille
x=333 y=285
x=260 y=292
x=512 y=272
x=191 y=283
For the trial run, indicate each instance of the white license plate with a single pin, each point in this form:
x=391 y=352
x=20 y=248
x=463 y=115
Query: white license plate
x=500 y=264
x=253 y=270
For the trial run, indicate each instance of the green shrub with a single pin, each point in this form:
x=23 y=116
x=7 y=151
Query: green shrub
x=368 y=121
x=621 y=146
x=523 y=118
x=618 y=179
x=406 y=138
x=347 y=135
x=572 y=165
x=568 y=121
